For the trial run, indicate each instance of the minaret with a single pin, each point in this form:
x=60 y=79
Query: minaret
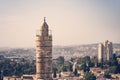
x=44 y=53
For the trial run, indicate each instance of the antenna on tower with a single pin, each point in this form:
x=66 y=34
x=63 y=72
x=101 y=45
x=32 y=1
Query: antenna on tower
x=44 y=19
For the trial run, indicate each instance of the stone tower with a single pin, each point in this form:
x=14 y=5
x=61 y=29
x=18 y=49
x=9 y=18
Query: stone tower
x=44 y=53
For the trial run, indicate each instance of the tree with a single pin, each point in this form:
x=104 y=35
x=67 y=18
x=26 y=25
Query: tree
x=89 y=76
x=64 y=69
x=118 y=68
x=70 y=68
x=85 y=59
x=11 y=68
x=60 y=60
x=54 y=74
x=107 y=75
x=113 y=69
x=85 y=68
x=94 y=61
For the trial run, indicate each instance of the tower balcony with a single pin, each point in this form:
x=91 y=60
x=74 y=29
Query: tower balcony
x=38 y=33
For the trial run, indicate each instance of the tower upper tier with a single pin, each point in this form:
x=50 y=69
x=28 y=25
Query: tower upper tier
x=44 y=31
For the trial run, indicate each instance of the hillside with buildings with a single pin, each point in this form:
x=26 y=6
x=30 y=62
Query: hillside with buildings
x=65 y=63
x=66 y=51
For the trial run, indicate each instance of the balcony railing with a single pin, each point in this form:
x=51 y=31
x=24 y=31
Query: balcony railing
x=38 y=33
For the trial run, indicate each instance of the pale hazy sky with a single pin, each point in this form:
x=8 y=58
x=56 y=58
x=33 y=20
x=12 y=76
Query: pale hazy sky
x=72 y=22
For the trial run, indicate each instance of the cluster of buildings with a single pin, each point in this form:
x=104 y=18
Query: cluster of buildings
x=105 y=51
x=99 y=73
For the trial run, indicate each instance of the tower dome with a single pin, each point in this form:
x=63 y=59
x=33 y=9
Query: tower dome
x=44 y=28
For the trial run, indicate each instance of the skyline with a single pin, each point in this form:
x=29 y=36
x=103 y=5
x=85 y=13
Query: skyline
x=72 y=22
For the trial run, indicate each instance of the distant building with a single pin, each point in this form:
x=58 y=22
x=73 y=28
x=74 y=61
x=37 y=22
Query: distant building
x=105 y=51
x=67 y=74
x=24 y=77
x=11 y=78
x=44 y=53
x=74 y=66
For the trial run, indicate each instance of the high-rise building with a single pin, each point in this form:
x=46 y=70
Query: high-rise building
x=44 y=53
x=105 y=51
